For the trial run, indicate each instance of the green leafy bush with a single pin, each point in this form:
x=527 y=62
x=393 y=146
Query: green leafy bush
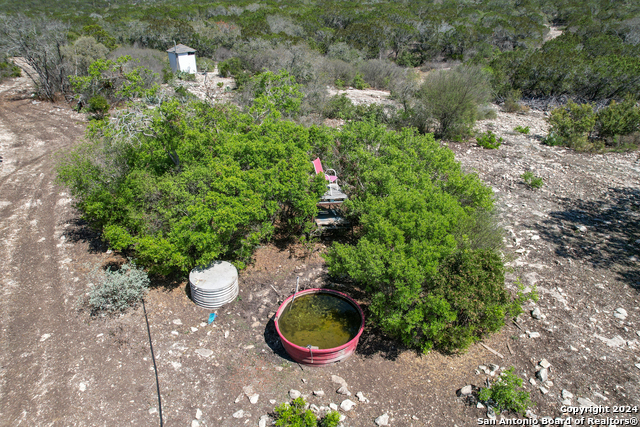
x=504 y=394
x=295 y=415
x=118 y=290
x=618 y=119
x=116 y=80
x=426 y=251
x=231 y=67
x=8 y=69
x=339 y=107
x=183 y=75
x=531 y=180
x=192 y=183
x=523 y=130
x=489 y=140
x=572 y=123
x=358 y=82
x=98 y=106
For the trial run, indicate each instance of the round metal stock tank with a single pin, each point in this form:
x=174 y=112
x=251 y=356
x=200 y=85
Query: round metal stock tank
x=215 y=285
x=319 y=357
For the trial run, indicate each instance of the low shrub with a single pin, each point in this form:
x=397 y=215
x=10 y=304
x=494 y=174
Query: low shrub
x=339 y=107
x=117 y=290
x=489 y=140
x=531 y=180
x=512 y=102
x=98 y=106
x=379 y=73
x=618 y=119
x=552 y=140
x=8 y=69
x=231 y=67
x=294 y=414
x=358 y=82
x=185 y=76
x=523 y=130
x=504 y=394
x=448 y=102
x=487 y=112
x=572 y=124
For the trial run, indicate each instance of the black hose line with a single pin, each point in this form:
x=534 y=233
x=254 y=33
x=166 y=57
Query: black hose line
x=155 y=367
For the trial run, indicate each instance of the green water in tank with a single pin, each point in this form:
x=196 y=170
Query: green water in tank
x=321 y=320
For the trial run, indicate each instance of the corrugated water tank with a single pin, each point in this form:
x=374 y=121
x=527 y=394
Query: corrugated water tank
x=215 y=285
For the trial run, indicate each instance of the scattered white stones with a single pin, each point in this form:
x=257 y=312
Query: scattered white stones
x=333 y=406
x=382 y=420
x=532 y=381
x=533 y=334
x=543 y=374
x=614 y=342
x=638 y=333
x=581 y=228
x=294 y=394
x=153 y=410
x=566 y=394
x=466 y=390
x=263 y=421
x=536 y=314
x=585 y=403
x=361 y=397
x=600 y=396
x=347 y=405
x=226 y=334
x=195 y=423
x=479 y=405
x=493 y=368
x=338 y=380
x=343 y=390
x=45 y=337
x=198 y=414
x=544 y=363
x=254 y=398
x=204 y=352
x=194 y=329
x=238 y=414
x=175 y=333
x=177 y=322
x=638 y=365
x=319 y=393
x=620 y=313
x=82 y=386
x=544 y=390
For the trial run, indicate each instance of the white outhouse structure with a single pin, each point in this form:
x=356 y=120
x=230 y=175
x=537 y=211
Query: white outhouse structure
x=182 y=58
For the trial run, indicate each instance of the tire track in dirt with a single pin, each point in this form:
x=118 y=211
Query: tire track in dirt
x=35 y=364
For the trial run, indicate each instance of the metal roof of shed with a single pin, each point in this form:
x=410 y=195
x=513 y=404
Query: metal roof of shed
x=181 y=49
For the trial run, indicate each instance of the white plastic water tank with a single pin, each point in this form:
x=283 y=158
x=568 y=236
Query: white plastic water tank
x=214 y=285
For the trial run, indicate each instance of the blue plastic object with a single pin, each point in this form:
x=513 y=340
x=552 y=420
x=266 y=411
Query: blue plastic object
x=212 y=317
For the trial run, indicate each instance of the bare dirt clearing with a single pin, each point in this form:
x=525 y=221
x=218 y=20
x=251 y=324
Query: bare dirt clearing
x=575 y=239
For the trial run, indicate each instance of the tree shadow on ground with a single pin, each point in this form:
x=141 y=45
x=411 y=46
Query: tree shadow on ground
x=79 y=231
x=603 y=233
